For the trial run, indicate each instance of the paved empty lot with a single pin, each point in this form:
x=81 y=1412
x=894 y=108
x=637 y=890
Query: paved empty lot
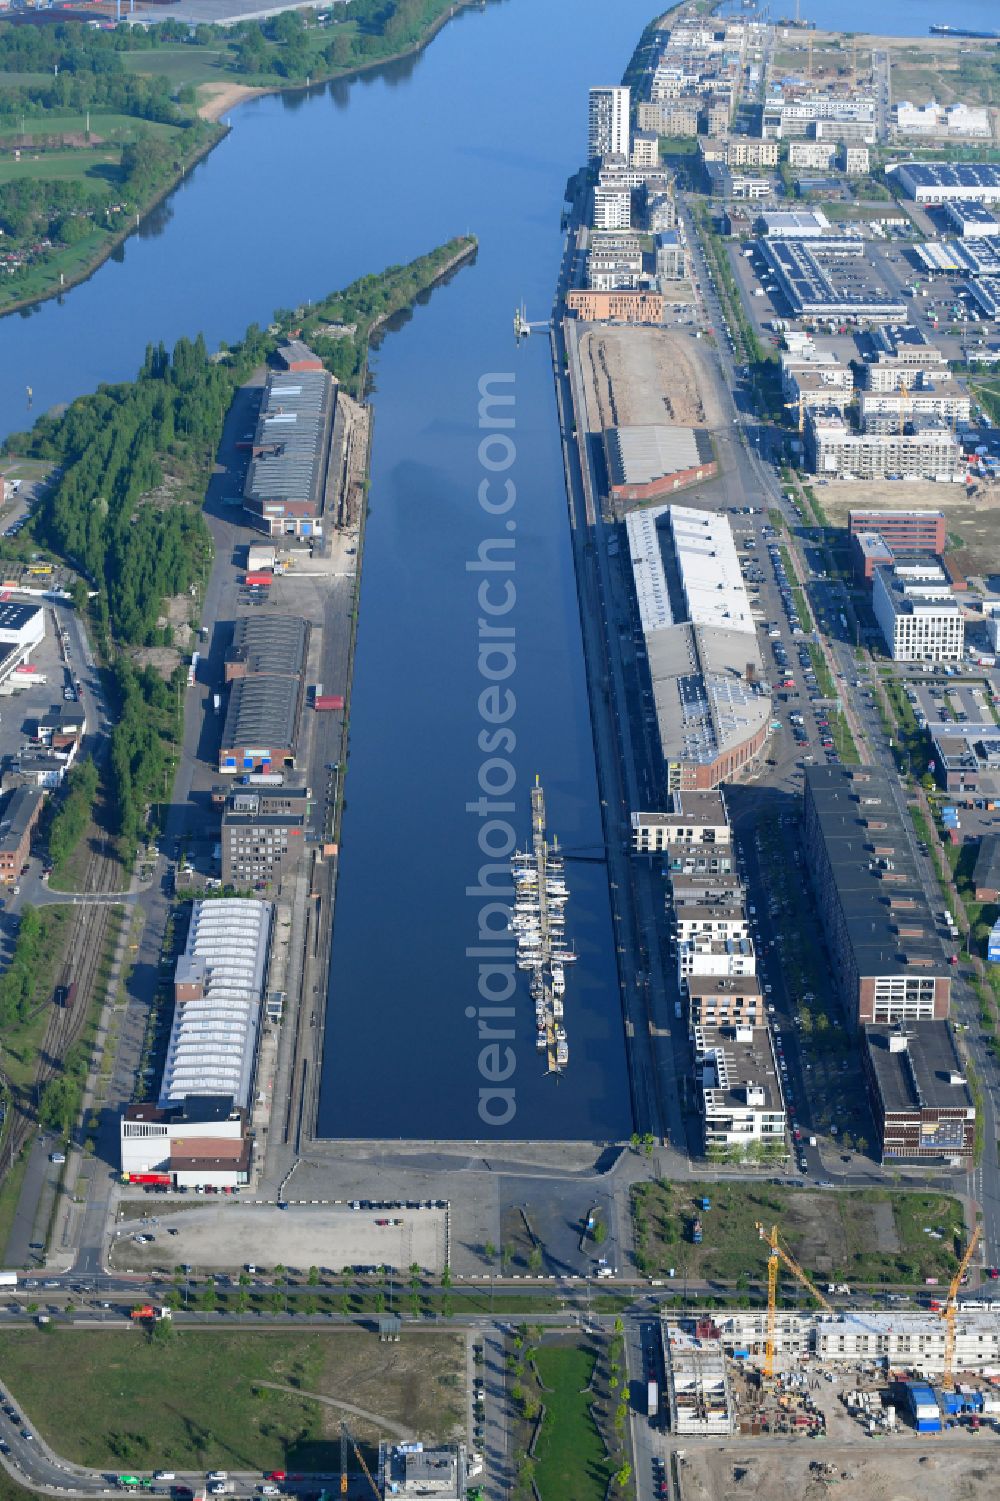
x=227 y=1235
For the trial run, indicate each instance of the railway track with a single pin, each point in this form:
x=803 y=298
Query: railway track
x=84 y=947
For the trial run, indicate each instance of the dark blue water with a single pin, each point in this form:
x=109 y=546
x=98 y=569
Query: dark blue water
x=479 y=133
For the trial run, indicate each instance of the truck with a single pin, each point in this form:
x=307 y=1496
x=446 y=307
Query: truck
x=652 y=1398
x=262 y=779
x=8 y=1279
x=150 y=1313
x=216 y=702
x=696 y=1232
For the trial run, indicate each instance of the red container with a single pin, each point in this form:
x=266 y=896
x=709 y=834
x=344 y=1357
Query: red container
x=258 y=580
x=329 y=701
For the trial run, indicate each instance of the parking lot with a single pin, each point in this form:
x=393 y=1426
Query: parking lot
x=226 y=1233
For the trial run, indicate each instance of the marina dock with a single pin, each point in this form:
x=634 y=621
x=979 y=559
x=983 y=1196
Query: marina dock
x=539 y=924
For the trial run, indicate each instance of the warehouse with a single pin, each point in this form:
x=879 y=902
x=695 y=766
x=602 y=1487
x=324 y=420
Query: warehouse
x=880 y=933
x=286 y=481
x=22 y=627
x=712 y=703
x=811 y=290
x=264 y=668
x=939 y=182
x=647 y=462
x=269 y=645
x=21 y=813
x=218 y=989
x=921 y=1103
x=986 y=875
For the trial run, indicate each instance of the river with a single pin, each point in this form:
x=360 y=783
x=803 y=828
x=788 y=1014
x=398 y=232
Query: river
x=308 y=191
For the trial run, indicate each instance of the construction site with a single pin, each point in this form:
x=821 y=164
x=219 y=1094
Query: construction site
x=841 y=1373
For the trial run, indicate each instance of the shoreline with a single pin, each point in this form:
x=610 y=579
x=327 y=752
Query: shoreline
x=228 y=95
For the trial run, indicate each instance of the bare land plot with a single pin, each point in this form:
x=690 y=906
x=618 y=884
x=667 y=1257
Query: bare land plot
x=768 y=1470
x=647 y=375
x=975 y=522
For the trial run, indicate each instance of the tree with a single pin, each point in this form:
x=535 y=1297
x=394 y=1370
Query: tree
x=313 y=1278
x=535 y=1260
x=599 y=1232
x=489 y=1250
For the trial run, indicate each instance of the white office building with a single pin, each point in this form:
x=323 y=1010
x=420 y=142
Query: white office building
x=917 y=614
x=609 y=123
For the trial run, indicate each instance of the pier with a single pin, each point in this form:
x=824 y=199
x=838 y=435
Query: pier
x=539 y=924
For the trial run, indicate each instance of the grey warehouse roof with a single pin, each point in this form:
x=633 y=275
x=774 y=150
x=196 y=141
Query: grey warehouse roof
x=270 y=643
x=263 y=711
x=292 y=438
x=641 y=454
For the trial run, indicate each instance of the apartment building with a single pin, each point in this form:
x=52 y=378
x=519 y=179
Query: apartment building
x=612 y=208
x=814 y=155
x=880 y=411
x=751 y=151
x=608 y=123
x=835 y=450
x=645 y=149
x=725 y=1001
x=854 y=160
x=697 y=819
x=884 y=953
x=739 y=1088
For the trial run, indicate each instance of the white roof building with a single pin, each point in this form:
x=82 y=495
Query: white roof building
x=218 y=990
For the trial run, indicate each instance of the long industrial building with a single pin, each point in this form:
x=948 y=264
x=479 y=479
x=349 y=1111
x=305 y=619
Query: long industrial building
x=713 y=705
x=885 y=954
x=198 y=1132
x=943 y=182
x=812 y=292
x=264 y=668
x=218 y=990
x=286 y=481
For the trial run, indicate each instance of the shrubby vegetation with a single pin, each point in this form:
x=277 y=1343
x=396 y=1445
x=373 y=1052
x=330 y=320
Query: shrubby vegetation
x=125 y=508
x=17 y=983
x=73 y=813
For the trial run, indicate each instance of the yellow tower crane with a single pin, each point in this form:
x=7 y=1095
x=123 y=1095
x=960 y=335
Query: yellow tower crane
x=949 y=1309
x=904 y=391
x=800 y=405
x=776 y=1253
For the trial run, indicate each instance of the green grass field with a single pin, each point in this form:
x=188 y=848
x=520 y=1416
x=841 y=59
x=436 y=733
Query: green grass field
x=868 y=1235
x=192 y=1401
x=180 y=65
x=571 y=1460
x=63 y=166
x=107 y=124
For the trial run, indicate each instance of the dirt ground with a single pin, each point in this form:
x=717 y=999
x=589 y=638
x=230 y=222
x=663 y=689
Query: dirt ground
x=890 y=1470
x=646 y=375
x=976 y=521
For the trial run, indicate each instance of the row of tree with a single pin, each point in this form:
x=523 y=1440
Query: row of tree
x=71 y=816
